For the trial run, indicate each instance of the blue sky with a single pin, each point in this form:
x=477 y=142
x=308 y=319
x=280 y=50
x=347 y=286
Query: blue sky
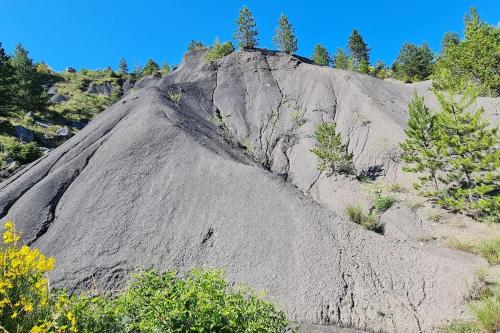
x=97 y=33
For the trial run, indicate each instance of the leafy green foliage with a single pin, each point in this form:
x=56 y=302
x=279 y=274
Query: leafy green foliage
x=367 y=220
x=320 y=55
x=200 y=301
x=331 y=153
x=246 y=29
x=151 y=68
x=475 y=59
x=383 y=203
x=195 y=45
x=219 y=50
x=358 y=48
x=457 y=151
x=22 y=152
x=449 y=39
x=284 y=37
x=414 y=63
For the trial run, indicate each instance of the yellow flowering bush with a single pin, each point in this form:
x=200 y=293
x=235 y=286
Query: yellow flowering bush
x=24 y=294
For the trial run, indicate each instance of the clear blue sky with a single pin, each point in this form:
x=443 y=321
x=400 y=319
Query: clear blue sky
x=97 y=33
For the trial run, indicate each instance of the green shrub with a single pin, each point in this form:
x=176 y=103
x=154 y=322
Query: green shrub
x=366 y=220
x=22 y=152
x=381 y=203
x=198 y=301
x=219 y=50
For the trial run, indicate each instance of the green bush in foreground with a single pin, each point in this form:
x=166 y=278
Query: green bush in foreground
x=196 y=301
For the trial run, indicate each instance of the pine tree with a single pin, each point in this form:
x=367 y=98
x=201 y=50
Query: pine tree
x=470 y=149
x=195 y=45
x=414 y=63
x=123 y=66
x=341 y=60
x=27 y=85
x=284 y=37
x=138 y=71
x=6 y=77
x=457 y=151
x=165 y=69
x=151 y=68
x=419 y=150
x=320 y=55
x=246 y=30
x=358 y=48
x=331 y=153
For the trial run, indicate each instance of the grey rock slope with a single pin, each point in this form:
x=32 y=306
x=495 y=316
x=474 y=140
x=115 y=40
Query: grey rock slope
x=152 y=183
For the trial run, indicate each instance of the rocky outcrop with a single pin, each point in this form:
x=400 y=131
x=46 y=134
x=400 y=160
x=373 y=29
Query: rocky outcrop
x=209 y=181
x=24 y=134
x=105 y=89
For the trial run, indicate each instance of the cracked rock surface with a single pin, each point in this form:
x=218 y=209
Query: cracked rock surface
x=209 y=181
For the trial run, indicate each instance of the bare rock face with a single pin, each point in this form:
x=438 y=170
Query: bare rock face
x=209 y=181
x=100 y=89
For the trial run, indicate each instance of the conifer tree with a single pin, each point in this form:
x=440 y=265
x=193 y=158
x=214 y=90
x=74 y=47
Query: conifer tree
x=457 y=151
x=6 y=76
x=123 y=66
x=358 y=48
x=471 y=151
x=246 y=30
x=151 y=68
x=320 y=55
x=27 y=85
x=419 y=150
x=195 y=45
x=414 y=63
x=341 y=60
x=165 y=69
x=331 y=153
x=284 y=37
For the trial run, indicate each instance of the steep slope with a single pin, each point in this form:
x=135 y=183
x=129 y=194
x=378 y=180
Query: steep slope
x=152 y=183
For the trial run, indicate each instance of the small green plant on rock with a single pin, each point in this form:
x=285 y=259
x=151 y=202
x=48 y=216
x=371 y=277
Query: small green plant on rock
x=383 y=203
x=367 y=220
x=174 y=96
x=219 y=50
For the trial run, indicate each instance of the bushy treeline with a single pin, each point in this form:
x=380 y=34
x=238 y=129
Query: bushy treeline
x=152 y=301
x=474 y=58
